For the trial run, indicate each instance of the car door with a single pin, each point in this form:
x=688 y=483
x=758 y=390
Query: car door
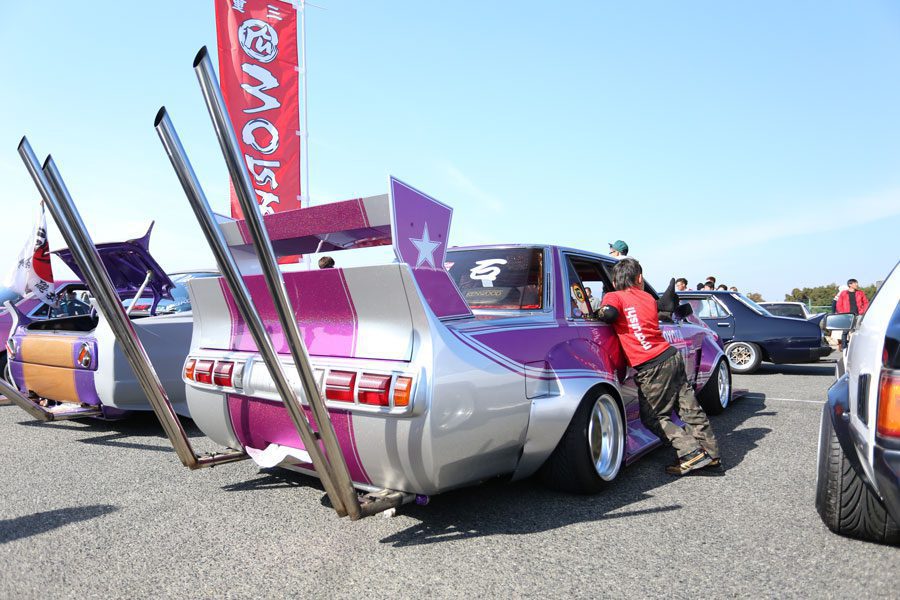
x=722 y=321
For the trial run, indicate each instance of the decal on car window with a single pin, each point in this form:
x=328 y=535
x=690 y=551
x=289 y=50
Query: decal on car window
x=486 y=271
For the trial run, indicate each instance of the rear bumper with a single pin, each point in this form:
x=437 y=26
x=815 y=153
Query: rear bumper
x=800 y=355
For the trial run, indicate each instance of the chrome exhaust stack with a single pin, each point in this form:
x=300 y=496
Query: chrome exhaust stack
x=54 y=192
x=329 y=464
x=39 y=412
x=341 y=482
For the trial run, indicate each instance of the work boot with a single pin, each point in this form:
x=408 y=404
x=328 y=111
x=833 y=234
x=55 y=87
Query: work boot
x=690 y=462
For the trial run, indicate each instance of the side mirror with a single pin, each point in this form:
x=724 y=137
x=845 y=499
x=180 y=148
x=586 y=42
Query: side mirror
x=684 y=311
x=840 y=322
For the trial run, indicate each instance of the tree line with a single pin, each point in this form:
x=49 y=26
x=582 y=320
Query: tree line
x=822 y=295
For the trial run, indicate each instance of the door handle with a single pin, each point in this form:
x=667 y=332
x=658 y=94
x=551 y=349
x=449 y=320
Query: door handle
x=723 y=324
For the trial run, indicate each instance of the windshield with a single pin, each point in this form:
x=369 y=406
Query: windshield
x=180 y=301
x=499 y=278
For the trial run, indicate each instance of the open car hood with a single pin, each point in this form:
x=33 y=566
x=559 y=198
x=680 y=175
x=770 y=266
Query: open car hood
x=127 y=263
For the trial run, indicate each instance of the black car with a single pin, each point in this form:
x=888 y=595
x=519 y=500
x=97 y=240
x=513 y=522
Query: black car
x=752 y=334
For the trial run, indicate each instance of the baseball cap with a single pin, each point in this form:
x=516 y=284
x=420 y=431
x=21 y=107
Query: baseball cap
x=619 y=246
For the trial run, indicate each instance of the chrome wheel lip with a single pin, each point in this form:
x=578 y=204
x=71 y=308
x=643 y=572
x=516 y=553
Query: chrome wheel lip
x=605 y=437
x=723 y=382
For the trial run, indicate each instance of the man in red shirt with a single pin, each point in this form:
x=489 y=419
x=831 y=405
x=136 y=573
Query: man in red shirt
x=852 y=300
x=660 y=370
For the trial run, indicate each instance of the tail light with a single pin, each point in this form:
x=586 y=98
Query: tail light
x=402 y=391
x=222 y=373
x=339 y=386
x=203 y=371
x=189 y=369
x=374 y=390
x=888 y=423
x=84 y=355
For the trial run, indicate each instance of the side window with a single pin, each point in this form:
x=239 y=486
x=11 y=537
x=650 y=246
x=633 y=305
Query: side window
x=698 y=305
x=41 y=311
x=592 y=283
x=704 y=308
x=720 y=311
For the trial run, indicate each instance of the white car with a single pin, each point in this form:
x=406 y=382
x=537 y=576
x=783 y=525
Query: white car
x=797 y=310
x=858 y=480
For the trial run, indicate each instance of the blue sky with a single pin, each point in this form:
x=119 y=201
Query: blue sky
x=756 y=141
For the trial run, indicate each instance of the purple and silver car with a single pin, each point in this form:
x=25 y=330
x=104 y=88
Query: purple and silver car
x=442 y=369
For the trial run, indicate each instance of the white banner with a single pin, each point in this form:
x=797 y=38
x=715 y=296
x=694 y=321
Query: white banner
x=32 y=271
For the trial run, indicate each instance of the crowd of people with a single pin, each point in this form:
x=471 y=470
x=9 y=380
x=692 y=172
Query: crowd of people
x=619 y=249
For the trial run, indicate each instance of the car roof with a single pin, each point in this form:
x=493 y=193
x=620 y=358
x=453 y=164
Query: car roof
x=605 y=257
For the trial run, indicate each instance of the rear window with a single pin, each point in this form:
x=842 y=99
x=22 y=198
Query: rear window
x=785 y=310
x=504 y=278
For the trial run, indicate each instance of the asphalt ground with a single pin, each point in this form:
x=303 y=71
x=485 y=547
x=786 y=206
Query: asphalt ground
x=96 y=509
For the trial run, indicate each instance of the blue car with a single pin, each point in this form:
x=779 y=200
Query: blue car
x=751 y=334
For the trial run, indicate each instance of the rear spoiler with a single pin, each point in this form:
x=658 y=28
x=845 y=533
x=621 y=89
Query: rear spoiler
x=416 y=224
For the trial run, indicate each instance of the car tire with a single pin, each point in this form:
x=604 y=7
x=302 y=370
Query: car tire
x=744 y=357
x=843 y=499
x=592 y=450
x=716 y=394
x=4 y=370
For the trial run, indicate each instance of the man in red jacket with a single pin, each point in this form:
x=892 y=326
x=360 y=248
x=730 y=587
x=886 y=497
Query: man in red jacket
x=853 y=300
x=660 y=370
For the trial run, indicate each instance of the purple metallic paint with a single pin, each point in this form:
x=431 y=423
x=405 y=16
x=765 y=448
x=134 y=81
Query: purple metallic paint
x=258 y=423
x=415 y=214
x=322 y=307
x=336 y=226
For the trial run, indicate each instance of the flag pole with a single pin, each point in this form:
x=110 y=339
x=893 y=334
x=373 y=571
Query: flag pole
x=304 y=113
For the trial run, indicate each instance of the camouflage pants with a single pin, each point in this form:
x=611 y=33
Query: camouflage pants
x=664 y=387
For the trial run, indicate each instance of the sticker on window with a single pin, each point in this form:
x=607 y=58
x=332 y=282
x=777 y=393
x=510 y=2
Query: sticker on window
x=486 y=271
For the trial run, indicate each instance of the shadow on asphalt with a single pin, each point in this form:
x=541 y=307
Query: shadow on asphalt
x=822 y=369
x=527 y=507
x=500 y=507
x=29 y=525
x=124 y=433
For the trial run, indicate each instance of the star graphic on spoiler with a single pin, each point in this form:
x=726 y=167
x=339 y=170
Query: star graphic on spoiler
x=426 y=248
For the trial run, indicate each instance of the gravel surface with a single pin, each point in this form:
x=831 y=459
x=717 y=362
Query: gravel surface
x=94 y=509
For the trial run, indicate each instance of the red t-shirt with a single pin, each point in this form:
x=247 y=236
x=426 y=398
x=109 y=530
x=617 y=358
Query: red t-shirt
x=637 y=325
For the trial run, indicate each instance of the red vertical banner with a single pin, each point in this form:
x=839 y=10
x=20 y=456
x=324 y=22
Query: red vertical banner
x=257 y=41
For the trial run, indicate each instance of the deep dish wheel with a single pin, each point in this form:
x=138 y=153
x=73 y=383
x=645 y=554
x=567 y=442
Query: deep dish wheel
x=591 y=451
x=744 y=357
x=844 y=501
x=716 y=394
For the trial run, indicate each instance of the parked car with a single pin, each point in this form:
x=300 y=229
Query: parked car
x=66 y=358
x=858 y=477
x=29 y=305
x=436 y=379
x=797 y=310
x=752 y=334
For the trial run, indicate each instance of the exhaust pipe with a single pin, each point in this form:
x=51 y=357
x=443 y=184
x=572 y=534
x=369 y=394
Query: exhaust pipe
x=232 y=275
x=54 y=192
x=215 y=104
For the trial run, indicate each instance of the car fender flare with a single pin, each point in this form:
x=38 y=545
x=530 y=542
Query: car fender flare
x=837 y=406
x=710 y=354
x=551 y=414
